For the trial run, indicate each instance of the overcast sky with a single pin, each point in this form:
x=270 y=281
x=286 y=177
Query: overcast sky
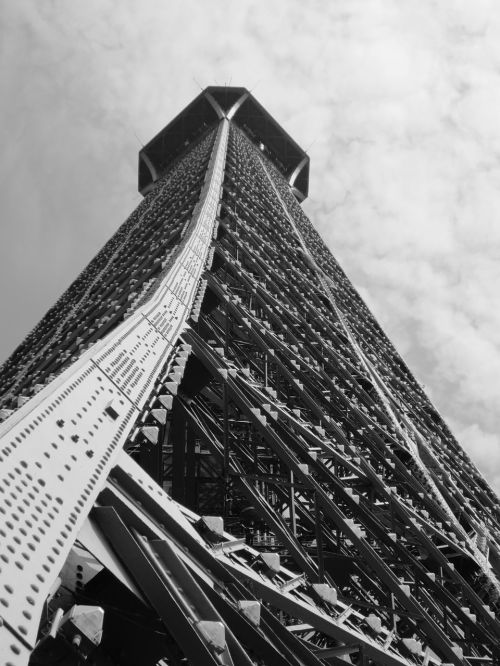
x=396 y=101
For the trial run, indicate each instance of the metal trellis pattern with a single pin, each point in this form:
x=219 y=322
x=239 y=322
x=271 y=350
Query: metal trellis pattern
x=212 y=454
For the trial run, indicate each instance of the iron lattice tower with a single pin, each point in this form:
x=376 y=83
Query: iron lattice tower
x=211 y=453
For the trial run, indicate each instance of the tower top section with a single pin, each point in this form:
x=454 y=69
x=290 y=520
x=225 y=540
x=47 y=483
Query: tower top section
x=239 y=106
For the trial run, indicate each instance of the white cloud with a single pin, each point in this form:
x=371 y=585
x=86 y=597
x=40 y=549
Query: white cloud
x=400 y=102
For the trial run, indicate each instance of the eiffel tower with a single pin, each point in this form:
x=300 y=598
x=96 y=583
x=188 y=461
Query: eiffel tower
x=212 y=454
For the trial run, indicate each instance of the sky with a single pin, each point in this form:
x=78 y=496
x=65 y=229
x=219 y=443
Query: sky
x=396 y=101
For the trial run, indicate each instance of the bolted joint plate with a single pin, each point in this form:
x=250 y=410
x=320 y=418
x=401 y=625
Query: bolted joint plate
x=213 y=633
x=88 y=620
x=160 y=415
x=374 y=622
x=326 y=593
x=151 y=433
x=251 y=610
x=411 y=644
x=214 y=524
x=166 y=400
x=272 y=562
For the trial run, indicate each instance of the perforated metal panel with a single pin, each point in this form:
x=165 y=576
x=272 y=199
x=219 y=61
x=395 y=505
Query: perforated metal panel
x=56 y=450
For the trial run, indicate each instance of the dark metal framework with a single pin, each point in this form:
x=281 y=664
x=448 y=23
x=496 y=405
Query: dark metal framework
x=286 y=493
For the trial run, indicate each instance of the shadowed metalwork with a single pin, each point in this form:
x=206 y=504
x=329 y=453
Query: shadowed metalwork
x=211 y=453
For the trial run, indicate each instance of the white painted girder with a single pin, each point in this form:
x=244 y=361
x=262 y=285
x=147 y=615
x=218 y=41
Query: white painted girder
x=278 y=590
x=57 y=449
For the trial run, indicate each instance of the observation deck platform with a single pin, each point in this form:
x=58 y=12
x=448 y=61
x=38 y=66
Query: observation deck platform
x=239 y=106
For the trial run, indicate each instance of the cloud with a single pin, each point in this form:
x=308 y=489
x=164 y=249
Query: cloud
x=397 y=103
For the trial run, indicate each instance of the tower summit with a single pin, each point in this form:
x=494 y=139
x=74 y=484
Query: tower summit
x=210 y=453
x=240 y=107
